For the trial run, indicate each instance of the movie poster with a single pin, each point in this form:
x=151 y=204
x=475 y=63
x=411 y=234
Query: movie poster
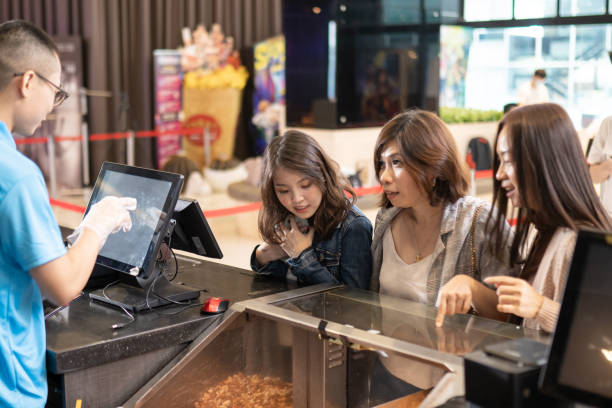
x=269 y=95
x=168 y=102
x=455 y=44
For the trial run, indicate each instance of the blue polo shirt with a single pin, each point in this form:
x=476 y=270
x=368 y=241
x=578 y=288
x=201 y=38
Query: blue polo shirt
x=29 y=237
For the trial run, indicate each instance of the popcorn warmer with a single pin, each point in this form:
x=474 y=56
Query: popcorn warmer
x=318 y=347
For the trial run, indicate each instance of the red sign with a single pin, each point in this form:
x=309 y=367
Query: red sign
x=205 y=122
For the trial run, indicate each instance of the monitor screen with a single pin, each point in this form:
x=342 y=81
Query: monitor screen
x=580 y=363
x=156 y=193
x=192 y=232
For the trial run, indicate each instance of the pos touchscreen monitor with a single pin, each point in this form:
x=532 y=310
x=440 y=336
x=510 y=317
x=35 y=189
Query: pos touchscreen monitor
x=156 y=192
x=133 y=255
x=580 y=361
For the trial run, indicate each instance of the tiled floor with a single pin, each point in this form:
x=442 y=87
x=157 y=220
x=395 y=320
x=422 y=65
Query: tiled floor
x=236 y=234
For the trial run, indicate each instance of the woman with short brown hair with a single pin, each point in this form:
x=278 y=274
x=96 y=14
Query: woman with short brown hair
x=430 y=243
x=428 y=234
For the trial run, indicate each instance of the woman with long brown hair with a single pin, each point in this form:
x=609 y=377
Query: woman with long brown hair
x=540 y=169
x=311 y=230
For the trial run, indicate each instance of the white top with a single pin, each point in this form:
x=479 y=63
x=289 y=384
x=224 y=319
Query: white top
x=407 y=281
x=528 y=95
x=601 y=149
x=550 y=278
x=399 y=279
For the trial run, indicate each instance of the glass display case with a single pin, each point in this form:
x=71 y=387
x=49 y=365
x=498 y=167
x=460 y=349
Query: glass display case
x=324 y=346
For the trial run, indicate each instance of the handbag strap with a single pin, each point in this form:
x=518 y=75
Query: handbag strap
x=472 y=233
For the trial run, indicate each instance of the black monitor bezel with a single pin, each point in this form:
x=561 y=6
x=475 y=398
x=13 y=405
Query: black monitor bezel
x=549 y=381
x=208 y=238
x=176 y=181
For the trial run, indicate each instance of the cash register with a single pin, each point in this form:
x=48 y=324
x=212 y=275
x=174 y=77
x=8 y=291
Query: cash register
x=131 y=271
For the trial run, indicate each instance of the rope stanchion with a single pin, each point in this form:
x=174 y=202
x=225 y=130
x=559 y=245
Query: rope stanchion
x=68 y=138
x=362 y=191
x=130 y=153
x=29 y=141
x=221 y=212
x=67 y=206
x=130 y=135
x=481 y=174
x=109 y=136
x=147 y=133
x=113 y=136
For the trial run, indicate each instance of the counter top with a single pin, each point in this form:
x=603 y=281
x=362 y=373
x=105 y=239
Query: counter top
x=81 y=336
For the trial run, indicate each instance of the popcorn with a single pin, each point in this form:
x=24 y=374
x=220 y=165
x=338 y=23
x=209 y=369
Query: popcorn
x=240 y=391
x=225 y=77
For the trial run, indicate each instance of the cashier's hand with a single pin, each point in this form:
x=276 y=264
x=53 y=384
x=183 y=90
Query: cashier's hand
x=516 y=296
x=293 y=241
x=455 y=297
x=109 y=215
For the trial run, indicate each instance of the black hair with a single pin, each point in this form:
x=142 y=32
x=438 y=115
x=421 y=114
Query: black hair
x=24 y=46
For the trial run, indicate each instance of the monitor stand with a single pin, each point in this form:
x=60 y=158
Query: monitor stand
x=135 y=299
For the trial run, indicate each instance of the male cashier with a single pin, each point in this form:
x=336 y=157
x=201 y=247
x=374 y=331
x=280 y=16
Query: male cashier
x=32 y=256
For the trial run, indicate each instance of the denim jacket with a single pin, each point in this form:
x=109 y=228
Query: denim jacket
x=343 y=258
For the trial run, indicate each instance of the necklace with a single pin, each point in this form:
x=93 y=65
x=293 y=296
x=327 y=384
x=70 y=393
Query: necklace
x=418 y=256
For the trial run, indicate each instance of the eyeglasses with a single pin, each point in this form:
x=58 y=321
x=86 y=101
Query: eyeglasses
x=60 y=94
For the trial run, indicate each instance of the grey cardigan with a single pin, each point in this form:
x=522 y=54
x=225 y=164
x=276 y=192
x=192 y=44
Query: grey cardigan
x=455 y=256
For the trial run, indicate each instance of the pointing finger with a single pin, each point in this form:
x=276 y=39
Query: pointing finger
x=441 y=312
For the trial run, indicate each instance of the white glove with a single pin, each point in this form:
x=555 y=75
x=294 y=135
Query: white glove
x=107 y=216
